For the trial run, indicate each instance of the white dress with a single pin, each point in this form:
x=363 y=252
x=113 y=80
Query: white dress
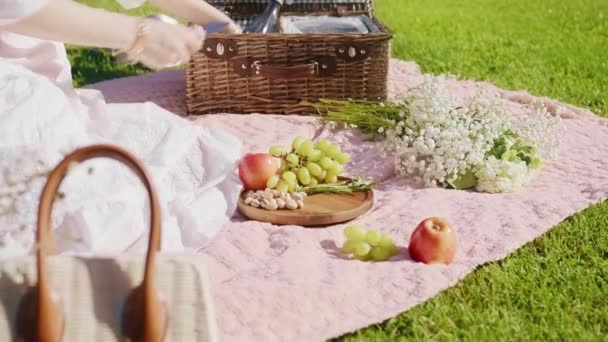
x=42 y=118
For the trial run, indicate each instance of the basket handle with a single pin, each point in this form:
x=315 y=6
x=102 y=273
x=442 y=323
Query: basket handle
x=40 y=315
x=318 y=66
x=280 y=72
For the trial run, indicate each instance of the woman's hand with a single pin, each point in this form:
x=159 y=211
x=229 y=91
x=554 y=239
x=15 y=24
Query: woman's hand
x=197 y=12
x=152 y=42
x=158 y=44
x=232 y=27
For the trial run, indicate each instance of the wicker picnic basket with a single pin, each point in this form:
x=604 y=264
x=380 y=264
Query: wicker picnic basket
x=273 y=73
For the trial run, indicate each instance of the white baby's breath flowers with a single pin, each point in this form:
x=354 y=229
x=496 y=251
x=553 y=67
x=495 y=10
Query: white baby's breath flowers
x=438 y=141
x=540 y=127
x=498 y=175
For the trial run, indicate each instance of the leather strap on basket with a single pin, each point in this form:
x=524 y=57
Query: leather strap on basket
x=40 y=315
x=352 y=52
x=218 y=48
x=318 y=66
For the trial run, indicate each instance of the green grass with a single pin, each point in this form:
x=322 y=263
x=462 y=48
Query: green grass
x=554 y=288
x=94 y=65
x=553 y=48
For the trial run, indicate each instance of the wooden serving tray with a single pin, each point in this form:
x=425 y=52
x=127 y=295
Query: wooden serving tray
x=319 y=209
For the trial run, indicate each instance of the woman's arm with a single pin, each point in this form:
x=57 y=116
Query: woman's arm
x=197 y=12
x=69 y=22
x=152 y=42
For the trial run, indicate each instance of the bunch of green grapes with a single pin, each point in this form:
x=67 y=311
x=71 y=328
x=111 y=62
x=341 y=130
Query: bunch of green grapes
x=368 y=245
x=307 y=164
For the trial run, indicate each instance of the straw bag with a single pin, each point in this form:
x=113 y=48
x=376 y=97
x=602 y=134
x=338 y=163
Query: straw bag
x=274 y=72
x=85 y=298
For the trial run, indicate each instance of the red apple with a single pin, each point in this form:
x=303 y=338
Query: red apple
x=433 y=242
x=256 y=168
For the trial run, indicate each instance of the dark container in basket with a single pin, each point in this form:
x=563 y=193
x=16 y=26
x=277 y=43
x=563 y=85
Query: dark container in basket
x=273 y=73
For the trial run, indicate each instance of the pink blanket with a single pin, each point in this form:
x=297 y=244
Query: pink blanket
x=291 y=284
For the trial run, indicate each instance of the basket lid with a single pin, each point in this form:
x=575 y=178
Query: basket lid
x=245 y=10
x=290 y=2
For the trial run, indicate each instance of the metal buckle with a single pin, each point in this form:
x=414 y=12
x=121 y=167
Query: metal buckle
x=255 y=66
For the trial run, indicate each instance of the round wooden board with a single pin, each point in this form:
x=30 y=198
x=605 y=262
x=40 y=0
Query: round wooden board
x=319 y=209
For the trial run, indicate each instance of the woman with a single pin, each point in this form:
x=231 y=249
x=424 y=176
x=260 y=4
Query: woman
x=42 y=117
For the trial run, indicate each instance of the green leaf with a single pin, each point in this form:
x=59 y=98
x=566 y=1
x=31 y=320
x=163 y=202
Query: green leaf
x=465 y=181
x=524 y=157
x=344 y=187
x=510 y=155
x=536 y=163
x=526 y=149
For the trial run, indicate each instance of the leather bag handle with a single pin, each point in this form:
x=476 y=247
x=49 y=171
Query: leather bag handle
x=40 y=316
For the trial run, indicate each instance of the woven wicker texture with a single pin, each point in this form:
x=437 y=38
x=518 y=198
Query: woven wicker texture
x=290 y=5
x=288 y=2
x=213 y=83
x=212 y=86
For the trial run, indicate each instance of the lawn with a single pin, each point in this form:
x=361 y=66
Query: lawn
x=554 y=288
